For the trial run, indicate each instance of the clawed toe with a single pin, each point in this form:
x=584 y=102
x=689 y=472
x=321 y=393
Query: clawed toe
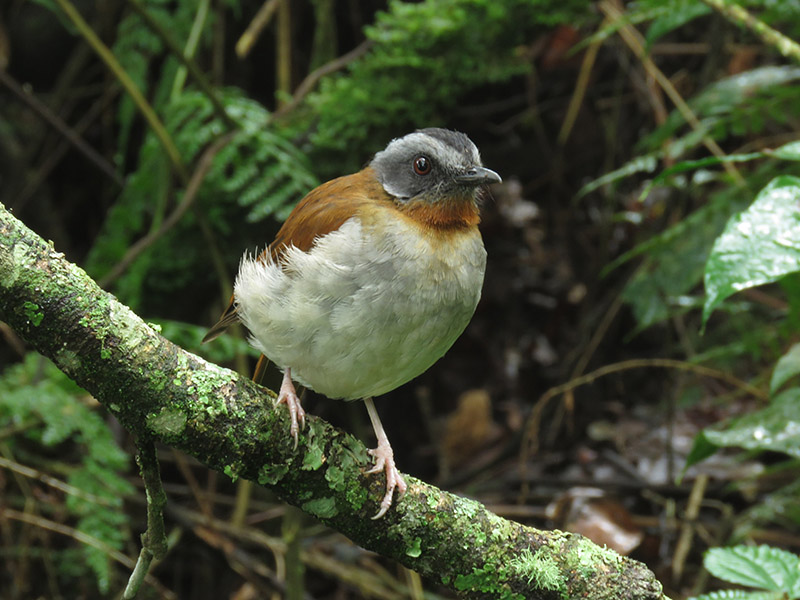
x=384 y=461
x=288 y=396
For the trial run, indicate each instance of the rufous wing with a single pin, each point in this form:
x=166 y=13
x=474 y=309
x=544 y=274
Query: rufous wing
x=324 y=209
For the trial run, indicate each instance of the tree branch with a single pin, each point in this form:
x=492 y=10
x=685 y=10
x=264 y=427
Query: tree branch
x=159 y=391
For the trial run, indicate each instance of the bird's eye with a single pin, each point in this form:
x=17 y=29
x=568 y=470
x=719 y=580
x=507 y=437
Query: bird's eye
x=422 y=166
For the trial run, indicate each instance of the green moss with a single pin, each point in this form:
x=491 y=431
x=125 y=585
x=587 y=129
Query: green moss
x=356 y=496
x=313 y=458
x=169 y=422
x=433 y=501
x=488 y=580
x=337 y=479
x=584 y=557
x=32 y=313
x=415 y=549
x=464 y=507
x=158 y=379
x=271 y=474
x=10 y=269
x=324 y=508
x=205 y=384
x=541 y=569
x=68 y=361
x=232 y=471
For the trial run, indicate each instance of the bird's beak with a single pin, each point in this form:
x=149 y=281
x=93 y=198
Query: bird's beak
x=478 y=176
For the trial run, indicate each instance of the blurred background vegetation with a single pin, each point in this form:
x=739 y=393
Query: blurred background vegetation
x=644 y=147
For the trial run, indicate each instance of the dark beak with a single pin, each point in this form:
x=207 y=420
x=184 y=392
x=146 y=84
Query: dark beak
x=478 y=176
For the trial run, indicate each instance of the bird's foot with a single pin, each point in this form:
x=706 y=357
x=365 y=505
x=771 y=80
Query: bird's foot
x=288 y=396
x=384 y=461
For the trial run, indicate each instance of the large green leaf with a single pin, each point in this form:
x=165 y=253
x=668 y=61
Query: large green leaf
x=761 y=567
x=759 y=245
x=776 y=428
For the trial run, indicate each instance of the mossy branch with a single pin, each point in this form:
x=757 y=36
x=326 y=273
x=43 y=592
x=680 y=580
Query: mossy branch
x=161 y=392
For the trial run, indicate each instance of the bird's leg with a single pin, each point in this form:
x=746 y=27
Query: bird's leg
x=384 y=461
x=288 y=396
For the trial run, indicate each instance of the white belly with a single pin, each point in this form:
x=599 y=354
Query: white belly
x=355 y=317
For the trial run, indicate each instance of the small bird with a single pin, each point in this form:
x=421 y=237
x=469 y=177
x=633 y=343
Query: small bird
x=370 y=280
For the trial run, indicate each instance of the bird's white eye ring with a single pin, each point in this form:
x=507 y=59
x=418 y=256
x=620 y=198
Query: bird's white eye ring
x=422 y=166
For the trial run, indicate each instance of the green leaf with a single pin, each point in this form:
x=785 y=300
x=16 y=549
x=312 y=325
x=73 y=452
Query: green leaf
x=761 y=567
x=787 y=367
x=776 y=427
x=675 y=15
x=779 y=509
x=759 y=245
x=694 y=165
x=738 y=99
x=641 y=164
x=702 y=448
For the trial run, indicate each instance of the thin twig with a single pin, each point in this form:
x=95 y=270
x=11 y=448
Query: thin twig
x=125 y=80
x=59 y=125
x=123 y=559
x=688 y=527
x=313 y=78
x=54 y=483
x=52 y=160
x=635 y=42
x=530 y=444
x=197 y=75
x=257 y=25
x=203 y=166
x=579 y=93
x=154 y=540
x=739 y=16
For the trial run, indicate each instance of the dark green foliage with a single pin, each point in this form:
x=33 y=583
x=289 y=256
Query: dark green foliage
x=258 y=170
x=427 y=56
x=140 y=49
x=57 y=416
x=735 y=105
x=668 y=16
x=675 y=258
x=440 y=62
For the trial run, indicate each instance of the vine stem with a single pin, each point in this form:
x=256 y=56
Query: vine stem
x=772 y=37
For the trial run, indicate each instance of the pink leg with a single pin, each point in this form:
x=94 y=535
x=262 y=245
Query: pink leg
x=288 y=396
x=384 y=461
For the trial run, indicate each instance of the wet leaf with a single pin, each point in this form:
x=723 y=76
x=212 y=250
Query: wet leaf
x=759 y=245
x=776 y=427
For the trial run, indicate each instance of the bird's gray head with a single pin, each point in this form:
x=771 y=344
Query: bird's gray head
x=431 y=164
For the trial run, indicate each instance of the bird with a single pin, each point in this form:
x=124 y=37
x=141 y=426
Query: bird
x=370 y=280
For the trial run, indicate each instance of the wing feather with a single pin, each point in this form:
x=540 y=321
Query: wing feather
x=323 y=210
